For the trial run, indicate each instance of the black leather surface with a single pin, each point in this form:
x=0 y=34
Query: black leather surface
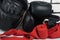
x=40 y=10
x=52 y=21
x=10 y=13
x=28 y=23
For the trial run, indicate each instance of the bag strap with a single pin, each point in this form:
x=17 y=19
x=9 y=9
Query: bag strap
x=21 y=20
x=23 y=16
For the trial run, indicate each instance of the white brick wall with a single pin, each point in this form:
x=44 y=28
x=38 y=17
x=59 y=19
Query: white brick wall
x=54 y=1
x=39 y=0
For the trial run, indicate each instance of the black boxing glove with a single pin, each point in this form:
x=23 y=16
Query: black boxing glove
x=11 y=12
x=28 y=23
x=52 y=21
x=40 y=10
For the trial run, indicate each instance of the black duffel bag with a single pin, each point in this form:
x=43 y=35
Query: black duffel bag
x=11 y=11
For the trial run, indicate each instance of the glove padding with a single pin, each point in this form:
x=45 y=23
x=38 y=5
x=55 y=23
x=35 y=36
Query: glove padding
x=28 y=23
x=40 y=10
x=52 y=21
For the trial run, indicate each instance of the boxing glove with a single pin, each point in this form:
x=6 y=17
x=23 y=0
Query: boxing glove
x=28 y=23
x=40 y=10
x=52 y=21
x=11 y=12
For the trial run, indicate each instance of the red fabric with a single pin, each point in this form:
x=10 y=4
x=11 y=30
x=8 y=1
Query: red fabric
x=14 y=32
x=55 y=32
x=39 y=32
x=14 y=38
